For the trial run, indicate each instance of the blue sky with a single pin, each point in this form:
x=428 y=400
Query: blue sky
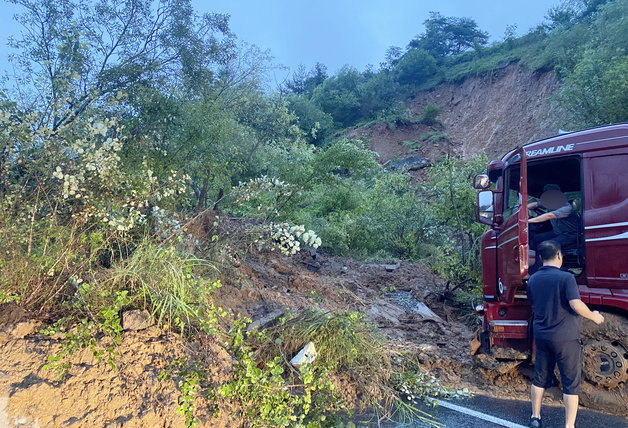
x=340 y=32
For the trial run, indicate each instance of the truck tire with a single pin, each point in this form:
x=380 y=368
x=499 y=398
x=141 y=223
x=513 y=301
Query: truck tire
x=605 y=366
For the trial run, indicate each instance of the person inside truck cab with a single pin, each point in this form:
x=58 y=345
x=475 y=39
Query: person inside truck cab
x=560 y=213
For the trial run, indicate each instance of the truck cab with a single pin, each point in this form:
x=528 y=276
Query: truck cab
x=591 y=169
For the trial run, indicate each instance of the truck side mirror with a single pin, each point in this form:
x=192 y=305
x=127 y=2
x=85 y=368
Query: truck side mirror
x=481 y=181
x=485 y=210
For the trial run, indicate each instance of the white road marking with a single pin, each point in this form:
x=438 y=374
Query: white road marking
x=479 y=415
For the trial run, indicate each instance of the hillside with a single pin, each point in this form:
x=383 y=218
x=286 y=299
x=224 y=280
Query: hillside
x=476 y=115
x=406 y=302
x=491 y=113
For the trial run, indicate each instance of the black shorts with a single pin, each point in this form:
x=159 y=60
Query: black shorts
x=568 y=356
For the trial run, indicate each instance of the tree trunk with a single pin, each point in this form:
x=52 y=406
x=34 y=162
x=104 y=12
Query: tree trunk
x=203 y=195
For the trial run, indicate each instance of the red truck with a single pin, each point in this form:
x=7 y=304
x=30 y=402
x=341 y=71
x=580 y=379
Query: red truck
x=591 y=168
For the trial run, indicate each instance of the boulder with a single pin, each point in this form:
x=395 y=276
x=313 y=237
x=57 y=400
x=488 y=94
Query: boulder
x=412 y=163
x=136 y=319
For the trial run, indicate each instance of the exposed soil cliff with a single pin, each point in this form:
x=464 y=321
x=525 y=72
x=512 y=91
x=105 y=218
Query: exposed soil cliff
x=490 y=113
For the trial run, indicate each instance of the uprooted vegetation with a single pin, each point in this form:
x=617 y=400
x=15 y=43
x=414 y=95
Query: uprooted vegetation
x=202 y=357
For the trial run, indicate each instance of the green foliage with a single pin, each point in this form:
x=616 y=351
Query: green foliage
x=415 y=67
x=313 y=122
x=304 y=82
x=414 y=146
x=172 y=285
x=345 y=342
x=595 y=89
x=429 y=116
x=267 y=397
x=449 y=35
x=435 y=137
x=351 y=96
x=82 y=334
x=339 y=96
x=192 y=381
x=453 y=204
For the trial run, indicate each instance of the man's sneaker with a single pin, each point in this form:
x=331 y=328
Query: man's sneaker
x=535 y=423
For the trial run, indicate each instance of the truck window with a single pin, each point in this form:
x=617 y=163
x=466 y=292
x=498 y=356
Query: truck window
x=513 y=201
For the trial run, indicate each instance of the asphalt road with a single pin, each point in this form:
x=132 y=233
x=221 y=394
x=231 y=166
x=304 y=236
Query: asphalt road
x=488 y=412
x=509 y=413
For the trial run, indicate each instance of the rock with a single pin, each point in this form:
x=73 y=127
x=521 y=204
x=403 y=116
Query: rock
x=412 y=163
x=136 y=319
x=261 y=323
x=305 y=355
x=390 y=268
x=385 y=312
x=427 y=314
x=25 y=328
x=313 y=267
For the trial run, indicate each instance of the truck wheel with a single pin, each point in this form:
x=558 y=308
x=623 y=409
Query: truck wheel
x=605 y=364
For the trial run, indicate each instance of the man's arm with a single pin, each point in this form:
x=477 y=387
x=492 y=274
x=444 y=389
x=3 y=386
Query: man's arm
x=542 y=218
x=584 y=311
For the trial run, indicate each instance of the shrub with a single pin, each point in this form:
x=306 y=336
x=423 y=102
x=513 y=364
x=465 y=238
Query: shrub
x=429 y=115
x=272 y=396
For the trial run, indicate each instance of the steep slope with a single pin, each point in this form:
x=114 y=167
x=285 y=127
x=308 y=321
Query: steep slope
x=489 y=113
x=495 y=113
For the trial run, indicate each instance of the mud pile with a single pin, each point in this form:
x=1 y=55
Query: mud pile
x=404 y=300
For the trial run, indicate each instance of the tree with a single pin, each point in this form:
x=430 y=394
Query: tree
x=393 y=53
x=84 y=52
x=415 y=67
x=304 y=83
x=596 y=86
x=339 y=96
x=446 y=36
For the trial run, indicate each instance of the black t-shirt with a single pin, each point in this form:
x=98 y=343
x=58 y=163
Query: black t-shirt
x=549 y=291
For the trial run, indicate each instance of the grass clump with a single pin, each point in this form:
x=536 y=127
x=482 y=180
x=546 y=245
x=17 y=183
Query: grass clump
x=345 y=342
x=435 y=137
x=173 y=285
x=353 y=352
x=414 y=146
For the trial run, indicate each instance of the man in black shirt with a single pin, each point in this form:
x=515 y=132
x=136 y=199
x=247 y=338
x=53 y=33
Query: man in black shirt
x=556 y=304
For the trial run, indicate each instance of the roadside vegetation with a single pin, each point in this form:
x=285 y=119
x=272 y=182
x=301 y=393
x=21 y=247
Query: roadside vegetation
x=128 y=123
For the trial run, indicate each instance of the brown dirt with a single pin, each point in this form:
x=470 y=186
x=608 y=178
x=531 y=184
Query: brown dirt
x=491 y=113
x=257 y=284
x=94 y=395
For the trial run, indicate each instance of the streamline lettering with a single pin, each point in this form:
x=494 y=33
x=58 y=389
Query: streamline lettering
x=550 y=150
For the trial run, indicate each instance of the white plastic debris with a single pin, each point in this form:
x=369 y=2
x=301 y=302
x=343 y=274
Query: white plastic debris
x=305 y=355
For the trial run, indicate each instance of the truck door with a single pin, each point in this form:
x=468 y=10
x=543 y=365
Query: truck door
x=512 y=237
x=606 y=222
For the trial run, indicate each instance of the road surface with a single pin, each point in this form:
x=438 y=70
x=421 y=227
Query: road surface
x=480 y=411
x=488 y=412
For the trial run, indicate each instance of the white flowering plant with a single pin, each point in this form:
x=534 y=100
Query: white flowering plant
x=71 y=194
x=261 y=197
x=286 y=238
